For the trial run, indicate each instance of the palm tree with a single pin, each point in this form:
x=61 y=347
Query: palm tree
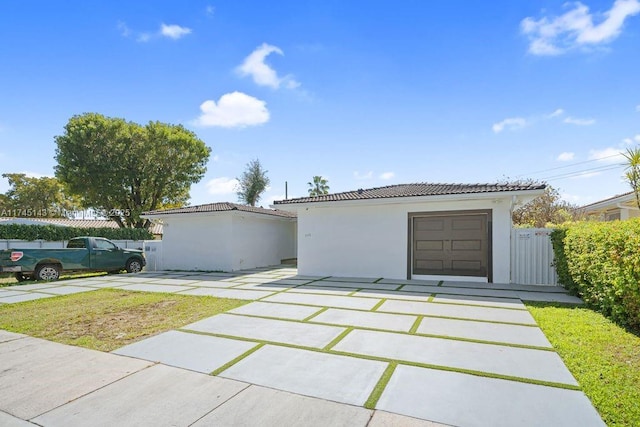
x=633 y=171
x=318 y=187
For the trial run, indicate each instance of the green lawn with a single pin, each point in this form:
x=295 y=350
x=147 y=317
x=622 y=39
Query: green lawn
x=604 y=358
x=107 y=319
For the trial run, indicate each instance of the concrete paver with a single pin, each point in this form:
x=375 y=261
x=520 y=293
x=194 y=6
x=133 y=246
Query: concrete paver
x=9 y=336
x=5 y=294
x=328 y=376
x=201 y=353
x=159 y=395
x=549 y=297
x=326 y=290
x=281 y=331
x=67 y=290
x=467 y=400
x=32 y=369
x=282 y=311
x=265 y=407
x=228 y=293
x=392 y=322
x=539 y=365
x=354 y=285
x=324 y=300
x=181 y=282
x=25 y=297
x=512 y=334
x=387 y=419
x=483 y=301
x=458 y=311
x=467 y=291
x=410 y=296
x=31 y=287
x=7 y=420
x=147 y=287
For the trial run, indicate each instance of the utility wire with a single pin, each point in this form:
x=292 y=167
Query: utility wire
x=568 y=166
x=582 y=172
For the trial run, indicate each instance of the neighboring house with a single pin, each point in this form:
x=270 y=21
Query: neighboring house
x=225 y=237
x=155 y=229
x=419 y=231
x=620 y=207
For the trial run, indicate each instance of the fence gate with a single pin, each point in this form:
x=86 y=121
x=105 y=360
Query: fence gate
x=532 y=257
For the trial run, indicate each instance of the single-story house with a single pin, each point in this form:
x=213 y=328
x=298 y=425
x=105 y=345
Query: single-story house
x=410 y=231
x=225 y=237
x=622 y=206
x=155 y=229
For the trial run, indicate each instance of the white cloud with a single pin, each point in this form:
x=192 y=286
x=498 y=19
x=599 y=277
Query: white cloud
x=387 y=175
x=367 y=175
x=512 y=123
x=262 y=74
x=215 y=158
x=174 y=31
x=638 y=108
x=210 y=10
x=222 y=185
x=575 y=28
x=579 y=122
x=234 y=109
x=608 y=155
x=637 y=138
x=556 y=113
x=565 y=157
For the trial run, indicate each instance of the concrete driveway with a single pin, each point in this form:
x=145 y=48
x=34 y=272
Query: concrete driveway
x=314 y=350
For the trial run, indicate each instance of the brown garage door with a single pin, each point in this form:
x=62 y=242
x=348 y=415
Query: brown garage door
x=452 y=245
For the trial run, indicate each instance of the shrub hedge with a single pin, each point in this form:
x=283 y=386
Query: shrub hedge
x=55 y=233
x=601 y=262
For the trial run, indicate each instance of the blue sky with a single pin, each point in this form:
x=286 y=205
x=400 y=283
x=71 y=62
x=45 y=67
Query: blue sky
x=364 y=93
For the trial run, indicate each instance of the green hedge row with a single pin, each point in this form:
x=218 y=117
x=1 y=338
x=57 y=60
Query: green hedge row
x=600 y=261
x=55 y=233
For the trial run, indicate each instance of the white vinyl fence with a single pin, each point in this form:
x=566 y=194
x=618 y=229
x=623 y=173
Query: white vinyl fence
x=532 y=257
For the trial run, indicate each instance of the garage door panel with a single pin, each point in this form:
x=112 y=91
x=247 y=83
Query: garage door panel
x=469 y=265
x=429 y=245
x=428 y=224
x=465 y=223
x=466 y=245
x=430 y=265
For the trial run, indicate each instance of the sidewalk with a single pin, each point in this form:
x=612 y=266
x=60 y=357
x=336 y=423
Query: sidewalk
x=50 y=384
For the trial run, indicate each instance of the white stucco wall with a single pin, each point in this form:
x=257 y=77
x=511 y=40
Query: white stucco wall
x=226 y=241
x=261 y=240
x=369 y=240
x=197 y=242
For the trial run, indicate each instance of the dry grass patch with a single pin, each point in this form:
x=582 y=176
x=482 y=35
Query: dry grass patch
x=108 y=319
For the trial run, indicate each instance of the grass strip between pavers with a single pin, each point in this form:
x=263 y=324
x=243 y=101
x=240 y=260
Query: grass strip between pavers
x=372 y=401
x=317 y=313
x=339 y=338
x=237 y=359
x=378 y=305
x=416 y=325
x=431 y=297
x=377 y=280
x=383 y=359
x=440 y=283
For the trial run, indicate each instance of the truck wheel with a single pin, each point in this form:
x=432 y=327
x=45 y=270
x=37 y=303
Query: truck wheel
x=134 y=266
x=48 y=272
x=21 y=277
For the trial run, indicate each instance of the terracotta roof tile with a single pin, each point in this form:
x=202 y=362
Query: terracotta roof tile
x=415 y=190
x=223 y=207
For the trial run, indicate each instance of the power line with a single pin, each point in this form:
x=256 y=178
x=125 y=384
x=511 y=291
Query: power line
x=582 y=172
x=568 y=166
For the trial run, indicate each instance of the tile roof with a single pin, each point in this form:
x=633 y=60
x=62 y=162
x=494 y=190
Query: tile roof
x=223 y=207
x=622 y=198
x=79 y=223
x=415 y=190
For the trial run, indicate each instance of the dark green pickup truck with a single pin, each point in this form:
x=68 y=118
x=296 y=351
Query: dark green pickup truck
x=81 y=254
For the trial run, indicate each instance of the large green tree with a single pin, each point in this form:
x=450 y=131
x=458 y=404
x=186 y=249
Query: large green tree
x=548 y=208
x=252 y=183
x=123 y=169
x=31 y=197
x=632 y=174
x=318 y=186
